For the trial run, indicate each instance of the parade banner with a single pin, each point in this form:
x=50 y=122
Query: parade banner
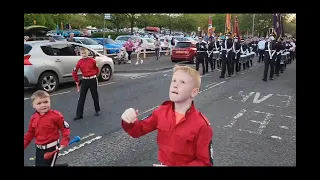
x=236 y=27
x=210 y=29
x=228 y=23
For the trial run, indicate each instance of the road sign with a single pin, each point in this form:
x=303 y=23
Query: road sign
x=107 y=16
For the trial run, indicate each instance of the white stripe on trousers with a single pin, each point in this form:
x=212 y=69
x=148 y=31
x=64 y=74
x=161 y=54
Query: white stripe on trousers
x=54 y=158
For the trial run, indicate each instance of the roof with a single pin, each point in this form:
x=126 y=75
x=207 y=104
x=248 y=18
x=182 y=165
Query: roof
x=46 y=42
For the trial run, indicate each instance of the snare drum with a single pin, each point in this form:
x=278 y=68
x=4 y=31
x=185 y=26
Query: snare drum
x=243 y=58
x=216 y=54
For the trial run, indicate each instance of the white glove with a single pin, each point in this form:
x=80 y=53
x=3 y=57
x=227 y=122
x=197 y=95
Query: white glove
x=130 y=115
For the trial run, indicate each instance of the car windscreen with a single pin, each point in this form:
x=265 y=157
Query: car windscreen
x=88 y=41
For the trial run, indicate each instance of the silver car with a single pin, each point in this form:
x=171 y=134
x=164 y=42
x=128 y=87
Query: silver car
x=48 y=64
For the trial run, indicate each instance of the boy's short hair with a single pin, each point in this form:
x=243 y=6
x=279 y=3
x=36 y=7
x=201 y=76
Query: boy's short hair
x=83 y=49
x=192 y=72
x=39 y=94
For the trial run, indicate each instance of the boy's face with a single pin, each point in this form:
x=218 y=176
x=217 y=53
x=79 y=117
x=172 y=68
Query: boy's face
x=42 y=105
x=84 y=53
x=182 y=87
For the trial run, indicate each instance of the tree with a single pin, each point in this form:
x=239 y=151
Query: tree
x=132 y=17
x=117 y=20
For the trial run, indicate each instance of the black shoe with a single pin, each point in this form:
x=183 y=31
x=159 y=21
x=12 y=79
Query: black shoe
x=281 y=71
x=77 y=118
x=271 y=78
x=264 y=80
x=97 y=113
x=221 y=76
x=277 y=74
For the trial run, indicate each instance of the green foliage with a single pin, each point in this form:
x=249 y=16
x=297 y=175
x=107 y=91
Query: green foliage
x=184 y=22
x=113 y=35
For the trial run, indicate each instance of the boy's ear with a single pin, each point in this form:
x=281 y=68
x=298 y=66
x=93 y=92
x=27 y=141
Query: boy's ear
x=195 y=92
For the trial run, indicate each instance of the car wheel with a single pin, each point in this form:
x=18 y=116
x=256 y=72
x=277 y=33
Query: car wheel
x=105 y=73
x=48 y=82
x=194 y=60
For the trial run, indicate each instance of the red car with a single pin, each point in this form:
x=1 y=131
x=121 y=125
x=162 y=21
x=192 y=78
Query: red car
x=184 y=51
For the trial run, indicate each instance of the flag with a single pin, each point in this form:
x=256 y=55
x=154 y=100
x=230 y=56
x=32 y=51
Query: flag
x=277 y=24
x=228 y=23
x=210 y=27
x=236 y=27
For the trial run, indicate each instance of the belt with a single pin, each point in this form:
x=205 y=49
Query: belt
x=47 y=146
x=91 y=77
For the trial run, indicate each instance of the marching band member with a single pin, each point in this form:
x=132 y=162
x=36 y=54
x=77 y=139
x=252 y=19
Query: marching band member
x=217 y=47
x=243 y=51
x=210 y=54
x=226 y=55
x=288 y=47
x=236 y=49
x=271 y=47
x=261 y=48
x=202 y=48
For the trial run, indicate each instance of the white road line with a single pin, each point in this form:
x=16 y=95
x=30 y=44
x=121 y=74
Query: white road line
x=54 y=94
x=106 y=84
x=85 y=137
x=138 y=77
x=210 y=84
x=276 y=137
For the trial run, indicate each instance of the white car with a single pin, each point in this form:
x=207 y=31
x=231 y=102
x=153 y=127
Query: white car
x=148 y=43
x=89 y=43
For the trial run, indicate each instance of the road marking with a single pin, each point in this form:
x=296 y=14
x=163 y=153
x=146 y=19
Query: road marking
x=210 y=84
x=291 y=117
x=106 y=84
x=284 y=127
x=235 y=118
x=148 y=110
x=263 y=123
x=82 y=138
x=276 y=137
x=53 y=94
x=79 y=146
x=137 y=77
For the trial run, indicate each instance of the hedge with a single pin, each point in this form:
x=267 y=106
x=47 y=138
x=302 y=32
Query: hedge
x=113 y=35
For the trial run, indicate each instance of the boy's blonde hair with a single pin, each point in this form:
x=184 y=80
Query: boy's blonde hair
x=39 y=94
x=192 y=72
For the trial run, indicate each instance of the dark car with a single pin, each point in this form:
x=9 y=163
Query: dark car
x=184 y=51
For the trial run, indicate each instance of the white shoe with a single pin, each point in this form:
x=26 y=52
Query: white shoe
x=141 y=61
x=129 y=62
x=137 y=63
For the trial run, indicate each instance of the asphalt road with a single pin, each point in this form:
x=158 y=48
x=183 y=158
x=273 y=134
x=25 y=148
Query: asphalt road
x=254 y=121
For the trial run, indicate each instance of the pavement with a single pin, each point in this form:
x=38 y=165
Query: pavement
x=254 y=121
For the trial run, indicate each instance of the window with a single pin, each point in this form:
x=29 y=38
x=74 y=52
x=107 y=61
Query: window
x=88 y=41
x=27 y=48
x=62 y=50
x=47 y=50
x=76 y=48
x=183 y=45
x=123 y=38
x=109 y=41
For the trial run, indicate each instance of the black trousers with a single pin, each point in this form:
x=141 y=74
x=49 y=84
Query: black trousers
x=226 y=64
x=129 y=55
x=209 y=60
x=268 y=62
x=261 y=55
x=86 y=84
x=236 y=65
x=201 y=58
x=40 y=161
x=278 y=64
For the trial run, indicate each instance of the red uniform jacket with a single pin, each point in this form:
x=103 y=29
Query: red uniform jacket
x=88 y=67
x=45 y=129
x=188 y=143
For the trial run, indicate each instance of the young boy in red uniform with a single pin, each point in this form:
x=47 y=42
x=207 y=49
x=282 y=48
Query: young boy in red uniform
x=44 y=127
x=90 y=71
x=184 y=134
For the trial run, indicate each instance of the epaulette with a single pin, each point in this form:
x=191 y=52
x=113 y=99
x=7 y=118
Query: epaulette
x=205 y=118
x=57 y=113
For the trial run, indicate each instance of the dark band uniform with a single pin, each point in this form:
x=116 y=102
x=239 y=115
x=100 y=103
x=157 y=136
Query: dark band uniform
x=201 y=55
x=226 y=47
x=243 y=51
x=210 y=56
x=90 y=71
x=216 y=47
x=236 y=50
x=270 y=55
x=281 y=47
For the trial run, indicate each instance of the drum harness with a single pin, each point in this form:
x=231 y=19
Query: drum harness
x=269 y=50
x=235 y=51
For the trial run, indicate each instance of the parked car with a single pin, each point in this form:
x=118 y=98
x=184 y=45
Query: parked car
x=184 y=51
x=89 y=43
x=123 y=39
x=48 y=64
x=111 y=46
x=148 y=43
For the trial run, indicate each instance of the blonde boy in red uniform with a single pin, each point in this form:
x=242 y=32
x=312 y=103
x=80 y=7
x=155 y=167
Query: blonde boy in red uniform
x=184 y=134
x=44 y=127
